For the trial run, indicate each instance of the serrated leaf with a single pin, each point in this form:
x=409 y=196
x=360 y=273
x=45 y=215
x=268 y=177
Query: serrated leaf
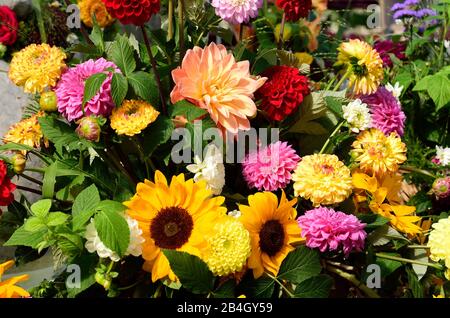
x=41 y=208
x=437 y=87
x=314 y=287
x=121 y=53
x=84 y=206
x=92 y=86
x=334 y=104
x=57 y=132
x=57 y=218
x=372 y=220
x=388 y=266
x=26 y=238
x=87 y=264
x=299 y=265
x=186 y=109
x=225 y=290
x=144 y=86
x=70 y=244
x=288 y=58
x=262 y=287
x=113 y=230
x=96 y=35
x=119 y=88
x=157 y=134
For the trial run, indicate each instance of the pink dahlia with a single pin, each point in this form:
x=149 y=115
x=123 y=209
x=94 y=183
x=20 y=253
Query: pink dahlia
x=387 y=114
x=325 y=229
x=270 y=168
x=70 y=90
x=237 y=11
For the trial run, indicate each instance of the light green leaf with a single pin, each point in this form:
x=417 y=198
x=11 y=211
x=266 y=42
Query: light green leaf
x=299 y=265
x=56 y=218
x=186 y=109
x=437 y=86
x=119 y=88
x=34 y=224
x=41 y=208
x=26 y=238
x=113 y=230
x=84 y=206
x=49 y=180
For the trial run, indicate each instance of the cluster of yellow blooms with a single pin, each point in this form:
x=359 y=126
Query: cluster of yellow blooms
x=8 y=288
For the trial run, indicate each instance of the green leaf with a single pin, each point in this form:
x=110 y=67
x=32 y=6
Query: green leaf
x=49 y=180
x=70 y=244
x=157 y=134
x=372 y=220
x=34 y=224
x=334 y=104
x=312 y=107
x=96 y=35
x=226 y=290
x=437 y=86
x=414 y=284
x=13 y=146
x=192 y=271
x=41 y=208
x=84 y=206
x=87 y=263
x=144 y=86
x=119 y=88
x=26 y=238
x=314 y=287
x=121 y=53
x=56 y=218
x=300 y=265
x=113 y=230
x=92 y=86
x=262 y=287
x=186 y=109
x=57 y=132
x=388 y=266
x=110 y=206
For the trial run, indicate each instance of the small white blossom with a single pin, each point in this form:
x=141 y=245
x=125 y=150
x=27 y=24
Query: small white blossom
x=95 y=244
x=234 y=213
x=211 y=169
x=443 y=155
x=357 y=115
x=447 y=46
x=396 y=90
x=72 y=39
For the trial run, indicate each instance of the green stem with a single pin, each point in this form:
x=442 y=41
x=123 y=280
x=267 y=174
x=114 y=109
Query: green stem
x=330 y=84
x=325 y=145
x=417 y=170
x=40 y=21
x=110 y=267
x=39 y=170
x=406 y=260
x=281 y=39
x=181 y=28
x=352 y=279
x=418 y=246
x=444 y=35
x=290 y=294
x=343 y=78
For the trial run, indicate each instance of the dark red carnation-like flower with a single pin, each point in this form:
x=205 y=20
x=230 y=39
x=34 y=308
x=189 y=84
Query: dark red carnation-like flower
x=283 y=92
x=295 y=9
x=136 y=12
x=6 y=186
x=387 y=47
x=8 y=26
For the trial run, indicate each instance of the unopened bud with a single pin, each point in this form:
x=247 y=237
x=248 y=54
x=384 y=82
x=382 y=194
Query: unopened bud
x=48 y=101
x=103 y=280
x=89 y=128
x=19 y=161
x=441 y=188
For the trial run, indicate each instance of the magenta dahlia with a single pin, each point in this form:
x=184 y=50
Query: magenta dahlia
x=70 y=90
x=387 y=114
x=237 y=11
x=270 y=168
x=331 y=230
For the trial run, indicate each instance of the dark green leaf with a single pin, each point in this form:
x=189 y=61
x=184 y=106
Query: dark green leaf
x=314 y=287
x=414 y=284
x=92 y=86
x=226 y=290
x=262 y=287
x=300 y=265
x=121 y=53
x=119 y=88
x=58 y=132
x=186 y=109
x=144 y=86
x=87 y=263
x=372 y=220
x=157 y=134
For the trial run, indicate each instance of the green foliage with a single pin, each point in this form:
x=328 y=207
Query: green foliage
x=92 y=86
x=314 y=287
x=437 y=86
x=122 y=54
x=301 y=264
x=119 y=88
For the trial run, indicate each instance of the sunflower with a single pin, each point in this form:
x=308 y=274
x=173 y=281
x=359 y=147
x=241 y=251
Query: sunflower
x=26 y=132
x=272 y=228
x=323 y=179
x=132 y=117
x=37 y=67
x=363 y=64
x=8 y=288
x=378 y=154
x=176 y=216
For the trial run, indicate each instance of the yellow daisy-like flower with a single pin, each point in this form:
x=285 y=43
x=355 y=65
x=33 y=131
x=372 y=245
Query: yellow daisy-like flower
x=176 y=216
x=363 y=64
x=37 y=67
x=26 y=132
x=323 y=179
x=378 y=154
x=228 y=247
x=88 y=8
x=273 y=230
x=439 y=243
x=8 y=288
x=132 y=117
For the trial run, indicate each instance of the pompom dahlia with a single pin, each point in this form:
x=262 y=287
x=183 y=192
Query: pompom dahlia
x=26 y=132
x=70 y=90
x=6 y=186
x=357 y=115
x=136 y=12
x=295 y=9
x=132 y=117
x=439 y=243
x=237 y=11
x=387 y=114
x=327 y=229
x=270 y=168
x=283 y=92
x=90 y=7
x=211 y=79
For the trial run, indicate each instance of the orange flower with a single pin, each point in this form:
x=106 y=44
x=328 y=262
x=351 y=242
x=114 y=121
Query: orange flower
x=211 y=79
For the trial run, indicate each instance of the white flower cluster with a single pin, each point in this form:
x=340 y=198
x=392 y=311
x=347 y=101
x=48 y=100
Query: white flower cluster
x=443 y=155
x=357 y=115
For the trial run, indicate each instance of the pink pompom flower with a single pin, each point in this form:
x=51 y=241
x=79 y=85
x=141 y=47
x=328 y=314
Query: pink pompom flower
x=70 y=90
x=331 y=230
x=237 y=11
x=270 y=168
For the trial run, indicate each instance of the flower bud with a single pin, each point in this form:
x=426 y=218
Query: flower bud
x=103 y=280
x=3 y=49
x=19 y=161
x=441 y=188
x=48 y=101
x=89 y=128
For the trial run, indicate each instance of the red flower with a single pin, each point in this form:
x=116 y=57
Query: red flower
x=6 y=186
x=8 y=26
x=387 y=47
x=136 y=12
x=295 y=9
x=283 y=92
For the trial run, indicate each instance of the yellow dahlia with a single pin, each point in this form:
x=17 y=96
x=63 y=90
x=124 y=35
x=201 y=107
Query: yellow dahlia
x=272 y=228
x=439 y=243
x=323 y=179
x=363 y=64
x=26 y=132
x=176 y=215
x=228 y=247
x=88 y=8
x=378 y=154
x=37 y=67
x=8 y=288
x=132 y=117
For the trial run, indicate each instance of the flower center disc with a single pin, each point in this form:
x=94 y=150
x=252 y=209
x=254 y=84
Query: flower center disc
x=271 y=237
x=171 y=228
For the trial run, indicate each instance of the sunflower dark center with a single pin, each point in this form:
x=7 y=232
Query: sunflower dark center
x=171 y=228
x=271 y=237
x=358 y=69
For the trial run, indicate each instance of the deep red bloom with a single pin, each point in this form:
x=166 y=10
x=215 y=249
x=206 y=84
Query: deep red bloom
x=8 y=26
x=386 y=47
x=283 y=92
x=295 y=9
x=6 y=186
x=136 y=12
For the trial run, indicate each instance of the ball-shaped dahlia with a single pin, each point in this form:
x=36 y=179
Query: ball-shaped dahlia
x=295 y=9
x=237 y=11
x=270 y=168
x=439 y=243
x=136 y=12
x=283 y=92
x=70 y=90
x=387 y=114
x=327 y=229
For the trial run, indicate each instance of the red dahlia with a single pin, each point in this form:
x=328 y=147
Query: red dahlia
x=8 y=26
x=295 y=9
x=6 y=186
x=136 y=12
x=283 y=92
